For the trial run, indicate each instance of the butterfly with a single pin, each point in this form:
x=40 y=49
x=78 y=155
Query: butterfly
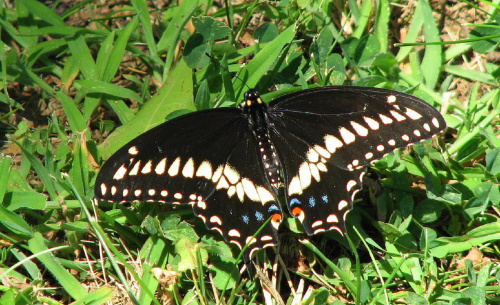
x=230 y=164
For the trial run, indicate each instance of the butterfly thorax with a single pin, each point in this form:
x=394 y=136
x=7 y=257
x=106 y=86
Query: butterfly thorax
x=256 y=111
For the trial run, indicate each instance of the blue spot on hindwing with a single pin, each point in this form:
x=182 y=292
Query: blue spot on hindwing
x=295 y=201
x=312 y=202
x=273 y=208
x=245 y=218
x=325 y=198
x=259 y=216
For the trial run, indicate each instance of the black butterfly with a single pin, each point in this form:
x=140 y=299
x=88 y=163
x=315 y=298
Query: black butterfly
x=229 y=163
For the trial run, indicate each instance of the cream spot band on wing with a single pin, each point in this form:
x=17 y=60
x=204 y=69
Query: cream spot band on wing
x=204 y=170
x=135 y=169
x=147 y=167
x=173 y=170
x=397 y=116
x=304 y=175
x=325 y=154
x=225 y=177
x=188 y=169
x=317 y=157
x=104 y=189
x=133 y=150
x=332 y=143
x=360 y=129
x=120 y=173
x=161 y=166
x=294 y=187
x=231 y=174
x=347 y=136
x=217 y=174
x=312 y=156
x=435 y=122
x=250 y=190
x=412 y=114
x=373 y=124
x=385 y=119
x=315 y=171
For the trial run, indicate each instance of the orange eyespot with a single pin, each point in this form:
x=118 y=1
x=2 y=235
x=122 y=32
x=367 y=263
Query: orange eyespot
x=296 y=211
x=276 y=217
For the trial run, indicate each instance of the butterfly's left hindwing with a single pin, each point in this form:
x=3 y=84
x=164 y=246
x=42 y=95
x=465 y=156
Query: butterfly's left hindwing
x=194 y=160
x=243 y=200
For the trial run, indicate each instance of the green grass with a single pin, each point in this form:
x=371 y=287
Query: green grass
x=427 y=232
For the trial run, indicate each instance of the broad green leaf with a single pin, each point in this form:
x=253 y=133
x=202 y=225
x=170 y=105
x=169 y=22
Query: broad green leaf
x=28 y=200
x=176 y=94
x=489 y=35
x=43 y=12
x=102 y=87
x=187 y=250
x=431 y=63
x=493 y=161
x=266 y=32
x=14 y=223
x=483 y=234
x=79 y=48
x=256 y=69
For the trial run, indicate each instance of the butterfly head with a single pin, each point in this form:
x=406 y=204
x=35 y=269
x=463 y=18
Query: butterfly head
x=256 y=111
x=252 y=100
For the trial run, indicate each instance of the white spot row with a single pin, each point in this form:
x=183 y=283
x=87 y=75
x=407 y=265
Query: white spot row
x=317 y=157
x=226 y=177
x=215 y=222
